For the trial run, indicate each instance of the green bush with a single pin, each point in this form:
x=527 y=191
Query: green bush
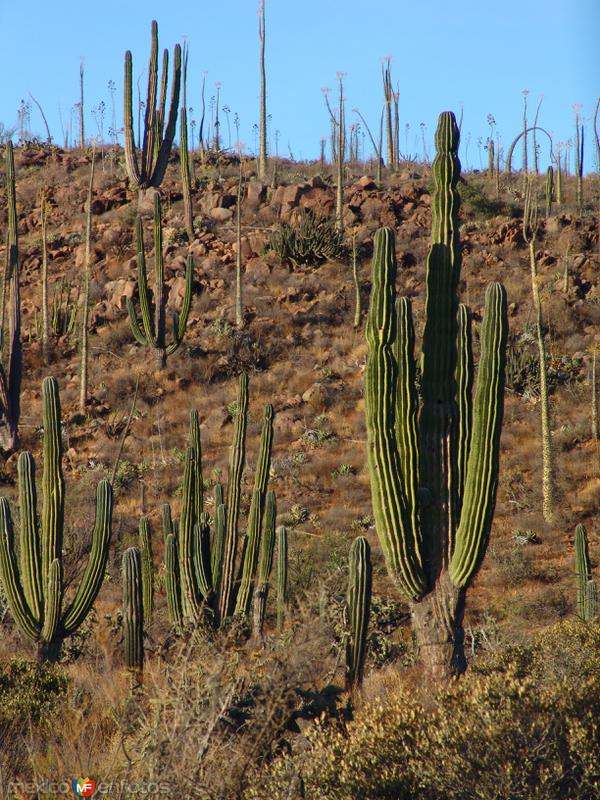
x=312 y=240
x=523 y=725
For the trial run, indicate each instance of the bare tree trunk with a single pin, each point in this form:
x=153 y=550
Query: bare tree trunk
x=45 y=308
x=81 y=128
x=239 y=308
x=262 y=158
x=83 y=383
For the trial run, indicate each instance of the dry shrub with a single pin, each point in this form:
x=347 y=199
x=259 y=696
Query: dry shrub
x=524 y=724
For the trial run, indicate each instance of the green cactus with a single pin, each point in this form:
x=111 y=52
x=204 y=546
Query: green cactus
x=35 y=591
x=152 y=333
x=158 y=138
x=147 y=569
x=282 y=575
x=11 y=375
x=359 y=607
x=265 y=565
x=133 y=609
x=549 y=190
x=583 y=571
x=433 y=483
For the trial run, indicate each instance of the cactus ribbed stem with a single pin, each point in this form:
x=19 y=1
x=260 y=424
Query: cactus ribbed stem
x=189 y=590
x=173 y=589
x=591 y=601
x=583 y=572
x=202 y=556
x=359 y=607
x=147 y=569
x=133 y=609
x=265 y=565
x=282 y=575
x=549 y=190
x=237 y=459
x=218 y=542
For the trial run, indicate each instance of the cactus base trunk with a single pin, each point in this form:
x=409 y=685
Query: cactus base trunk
x=437 y=622
x=49 y=651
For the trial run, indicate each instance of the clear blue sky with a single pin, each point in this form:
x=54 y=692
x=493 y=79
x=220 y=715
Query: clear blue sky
x=443 y=54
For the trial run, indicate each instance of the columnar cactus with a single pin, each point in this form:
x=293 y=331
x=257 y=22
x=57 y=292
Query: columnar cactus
x=35 y=592
x=158 y=138
x=147 y=569
x=133 y=609
x=433 y=483
x=359 y=607
x=265 y=565
x=583 y=572
x=282 y=575
x=11 y=375
x=153 y=331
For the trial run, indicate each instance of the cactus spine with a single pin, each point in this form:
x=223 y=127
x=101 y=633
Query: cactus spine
x=282 y=575
x=433 y=483
x=158 y=138
x=35 y=591
x=11 y=375
x=153 y=331
x=359 y=607
x=133 y=609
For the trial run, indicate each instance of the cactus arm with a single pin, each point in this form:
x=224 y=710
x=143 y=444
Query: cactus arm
x=162 y=103
x=53 y=484
x=282 y=575
x=182 y=317
x=95 y=568
x=218 y=542
x=53 y=602
x=189 y=592
x=143 y=291
x=464 y=389
x=591 y=601
x=159 y=281
x=202 y=566
x=438 y=420
x=173 y=589
x=133 y=321
x=482 y=470
x=583 y=571
x=147 y=569
x=359 y=607
x=131 y=161
x=400 y=543
x=133 y=609
x=265 y=564
x=30 y=556
x=148 y=153
x=9 y=573
x=234 y=481
x=167 y=141
x=407 y=406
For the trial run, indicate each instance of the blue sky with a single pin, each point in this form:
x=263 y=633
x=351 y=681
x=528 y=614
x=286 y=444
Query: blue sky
x=443 y=54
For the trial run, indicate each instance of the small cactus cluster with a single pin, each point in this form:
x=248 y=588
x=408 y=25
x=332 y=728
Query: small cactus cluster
x=152 y=332
x=34 y=588
x=204 y=578
x=159 y=131
x=434 y=473
x=587 y=592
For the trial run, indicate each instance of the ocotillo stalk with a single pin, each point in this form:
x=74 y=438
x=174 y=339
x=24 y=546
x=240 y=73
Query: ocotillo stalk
x=11 y=375
x=558 y=175
x=549 y=190
x=147 y=569
x=530 y=230
x=491 y=160
x=152 y=332
x=357 y=305
x=594 y=398
x=133 y=609
x=239 y=307
x=566 y=270
x=81 y=123
x=282 y=575
x=534 y=141
x=265 y=565
x=386 y=76
x=158 y=136
x=237 y=458
x=35 y=591
x=579 y=162
x=525 y=129
x=396 y=96
x=184 y=160
x=583 y=572
x=45 y=309
x=83 y=367
x=262 y=154
x=359 y=608
x=338 y=140
x=433 y=502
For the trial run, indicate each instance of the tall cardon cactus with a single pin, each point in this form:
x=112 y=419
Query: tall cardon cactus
x=433 y=459
x=34 y=588
x=153 y=331
x=159 y=131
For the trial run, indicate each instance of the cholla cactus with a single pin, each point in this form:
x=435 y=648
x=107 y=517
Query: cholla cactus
x=35 y=593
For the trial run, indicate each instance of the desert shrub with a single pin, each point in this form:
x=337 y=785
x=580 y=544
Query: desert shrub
x=522 y=724
x=312 y=240
x=473 y=196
